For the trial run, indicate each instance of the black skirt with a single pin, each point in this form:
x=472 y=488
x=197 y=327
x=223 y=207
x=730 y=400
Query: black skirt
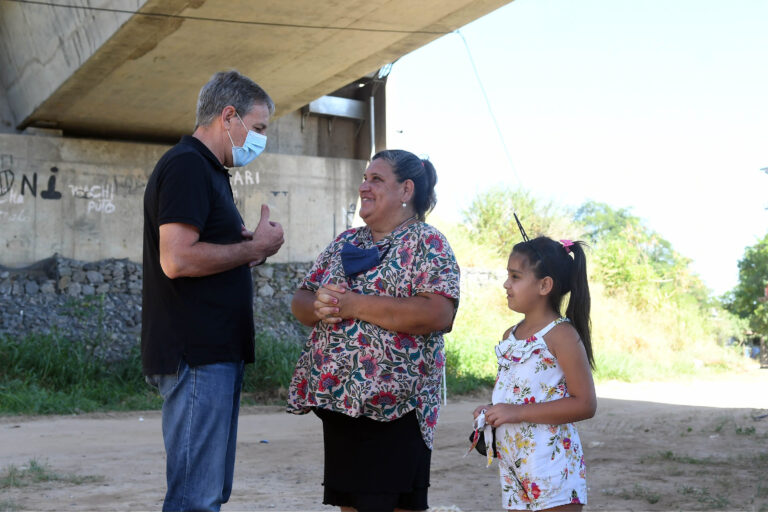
x=372 y=465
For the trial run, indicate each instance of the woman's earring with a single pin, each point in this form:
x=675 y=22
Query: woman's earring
x=404 y=205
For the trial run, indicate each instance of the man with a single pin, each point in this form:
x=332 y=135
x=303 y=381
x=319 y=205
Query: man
x=197 y=314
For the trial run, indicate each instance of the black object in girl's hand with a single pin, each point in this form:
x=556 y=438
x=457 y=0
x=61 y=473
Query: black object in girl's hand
x=480 y=446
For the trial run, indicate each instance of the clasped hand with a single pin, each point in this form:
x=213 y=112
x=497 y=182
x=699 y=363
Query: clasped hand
x=333 y=303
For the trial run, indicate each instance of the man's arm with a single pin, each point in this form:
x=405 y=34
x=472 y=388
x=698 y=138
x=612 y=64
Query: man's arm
x=182 y=254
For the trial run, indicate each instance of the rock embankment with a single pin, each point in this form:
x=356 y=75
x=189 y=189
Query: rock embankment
x=99 y=303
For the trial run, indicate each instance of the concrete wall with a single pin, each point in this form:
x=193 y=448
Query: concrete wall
x=6 y=116
x=83 y=198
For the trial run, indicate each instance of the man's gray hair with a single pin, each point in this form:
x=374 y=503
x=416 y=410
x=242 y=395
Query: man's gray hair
x=229 y=88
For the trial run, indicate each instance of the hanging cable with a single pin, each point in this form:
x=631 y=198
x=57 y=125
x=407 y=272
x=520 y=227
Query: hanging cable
x=488 y=104
x=220 y=20
x=523 y=234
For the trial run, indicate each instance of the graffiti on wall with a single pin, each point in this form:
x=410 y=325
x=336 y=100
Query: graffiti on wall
x=16 y=188
x=239 y=179
x=100 y=197
x=27 y=187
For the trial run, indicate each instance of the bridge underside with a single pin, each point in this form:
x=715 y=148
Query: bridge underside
x=131 y=69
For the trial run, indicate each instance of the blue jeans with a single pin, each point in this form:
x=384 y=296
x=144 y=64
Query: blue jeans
x=200 y=411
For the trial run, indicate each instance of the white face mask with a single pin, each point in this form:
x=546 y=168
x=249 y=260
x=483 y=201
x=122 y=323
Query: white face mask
x=252 y=147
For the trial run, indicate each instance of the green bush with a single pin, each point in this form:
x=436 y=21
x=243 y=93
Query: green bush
x=273 y=369
x=48 y=374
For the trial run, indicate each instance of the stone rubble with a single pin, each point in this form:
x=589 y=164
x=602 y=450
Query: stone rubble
x=99 y=303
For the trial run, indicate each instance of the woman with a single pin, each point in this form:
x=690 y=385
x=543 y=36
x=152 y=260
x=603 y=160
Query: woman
x=379 y=299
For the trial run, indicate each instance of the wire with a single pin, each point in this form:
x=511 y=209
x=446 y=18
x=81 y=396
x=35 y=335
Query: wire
x=490 y=109
x=498 y=131
x=222 y=20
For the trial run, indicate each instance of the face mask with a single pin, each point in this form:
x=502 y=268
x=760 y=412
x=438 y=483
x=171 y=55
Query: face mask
x=252 y=147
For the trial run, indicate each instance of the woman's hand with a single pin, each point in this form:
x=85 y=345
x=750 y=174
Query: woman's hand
x=500 y=414
x=420 y=314
x=327 y=302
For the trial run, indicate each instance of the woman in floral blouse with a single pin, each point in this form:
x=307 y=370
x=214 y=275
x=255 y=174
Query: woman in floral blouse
x=379 y=299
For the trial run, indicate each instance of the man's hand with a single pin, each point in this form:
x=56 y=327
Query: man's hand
x=268 y=236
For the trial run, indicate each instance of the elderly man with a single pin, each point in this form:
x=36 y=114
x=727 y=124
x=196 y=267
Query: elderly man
x=197 y=315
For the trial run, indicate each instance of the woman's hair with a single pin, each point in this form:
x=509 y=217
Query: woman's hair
x=569 y=274
x=408 y=166
x=229 y=88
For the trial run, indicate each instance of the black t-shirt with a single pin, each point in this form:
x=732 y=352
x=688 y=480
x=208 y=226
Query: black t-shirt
x=201 y=320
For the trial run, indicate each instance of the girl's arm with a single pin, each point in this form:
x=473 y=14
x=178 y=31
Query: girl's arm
x=565 y=345
x=421 y=314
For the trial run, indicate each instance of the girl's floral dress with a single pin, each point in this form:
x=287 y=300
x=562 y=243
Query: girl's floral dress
x=541 y=466
x=360 y=369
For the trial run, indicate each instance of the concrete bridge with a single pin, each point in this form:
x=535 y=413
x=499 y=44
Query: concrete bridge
x=92 y=92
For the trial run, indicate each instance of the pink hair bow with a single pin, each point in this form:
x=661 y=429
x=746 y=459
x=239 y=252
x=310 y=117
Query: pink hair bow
x=567 y=245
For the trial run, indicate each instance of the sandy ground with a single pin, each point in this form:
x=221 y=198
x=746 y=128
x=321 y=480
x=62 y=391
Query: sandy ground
x=699 y=445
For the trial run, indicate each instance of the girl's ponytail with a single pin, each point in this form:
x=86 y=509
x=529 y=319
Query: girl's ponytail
x=579 y=303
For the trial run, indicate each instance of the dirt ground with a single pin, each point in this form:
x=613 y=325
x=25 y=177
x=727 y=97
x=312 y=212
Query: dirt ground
x=698 y=445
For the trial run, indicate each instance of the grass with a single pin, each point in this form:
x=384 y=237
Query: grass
x=714 y=476
x=703 y=496
x=267 y=379
x=479 y=325
x=683 y=459
x=745 y=431
x=637 y=492
x=49 y=374
x=36 y=472
x=9 y=506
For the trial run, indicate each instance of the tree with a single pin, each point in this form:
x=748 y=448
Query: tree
x=745 y=299
x=491 y=219
x=634 y=259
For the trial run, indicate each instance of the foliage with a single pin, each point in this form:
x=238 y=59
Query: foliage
x=37 y=472
x=49 y=374
x=652 y=317
x=482 y=318
x=744 y=300
x=270 y=375
x=633 y=260
x=490 y=219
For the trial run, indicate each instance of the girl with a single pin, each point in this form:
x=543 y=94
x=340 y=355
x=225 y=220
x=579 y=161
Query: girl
x=544 y=382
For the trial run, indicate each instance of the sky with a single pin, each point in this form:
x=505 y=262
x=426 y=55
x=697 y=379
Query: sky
x=658 y=106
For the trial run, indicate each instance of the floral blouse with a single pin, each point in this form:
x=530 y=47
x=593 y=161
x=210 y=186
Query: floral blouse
x=360 y=369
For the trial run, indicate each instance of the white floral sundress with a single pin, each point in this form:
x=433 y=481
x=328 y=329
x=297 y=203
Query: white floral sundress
x=540 y=466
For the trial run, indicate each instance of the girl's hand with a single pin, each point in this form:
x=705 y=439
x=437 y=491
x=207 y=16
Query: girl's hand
x=479 y=409
x=500 y=414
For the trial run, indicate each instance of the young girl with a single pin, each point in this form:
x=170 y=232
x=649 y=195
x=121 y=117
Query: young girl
x=544 y=382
